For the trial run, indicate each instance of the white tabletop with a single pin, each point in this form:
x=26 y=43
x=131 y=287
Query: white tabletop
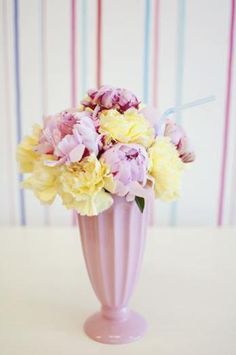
x=186 y=291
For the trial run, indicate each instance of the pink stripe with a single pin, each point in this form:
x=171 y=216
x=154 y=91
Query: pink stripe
x=6 y=61
x=44 y=58
x=73 y=55
x=155 y=52
x=227 y=115
x=99 y=42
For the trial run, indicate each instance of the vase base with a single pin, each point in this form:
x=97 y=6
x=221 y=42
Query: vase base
x=109 y=331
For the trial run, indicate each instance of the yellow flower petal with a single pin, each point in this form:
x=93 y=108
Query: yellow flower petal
x=25 y=155
x=166 y=168
x=44 y=180
x=130 y=127
x=82 y=186
x=91 y=205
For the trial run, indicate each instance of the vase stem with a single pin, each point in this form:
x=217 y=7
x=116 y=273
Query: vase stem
x=116 y=314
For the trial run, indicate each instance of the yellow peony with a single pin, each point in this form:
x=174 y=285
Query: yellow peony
x=25 y=155
x=166 y=168
x=129 y=127
x=82 y=186
x=44 y=180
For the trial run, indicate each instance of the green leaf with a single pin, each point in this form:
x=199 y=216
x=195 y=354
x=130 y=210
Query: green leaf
x=140 y=203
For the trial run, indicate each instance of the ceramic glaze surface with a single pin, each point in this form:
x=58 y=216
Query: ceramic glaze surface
x=113 y=245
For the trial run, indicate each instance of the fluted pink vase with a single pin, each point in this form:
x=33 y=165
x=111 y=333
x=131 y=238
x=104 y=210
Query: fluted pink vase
x=113 y=245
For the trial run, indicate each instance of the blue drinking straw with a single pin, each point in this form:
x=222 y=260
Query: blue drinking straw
x=172 y=110
x=194 y=103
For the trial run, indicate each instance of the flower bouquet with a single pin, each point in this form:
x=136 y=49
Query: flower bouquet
x=105 y=160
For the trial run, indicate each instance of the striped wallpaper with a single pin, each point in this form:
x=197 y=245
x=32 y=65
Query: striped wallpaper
x=168 y=52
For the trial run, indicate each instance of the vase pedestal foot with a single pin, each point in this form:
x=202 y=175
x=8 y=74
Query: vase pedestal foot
x=108 y=331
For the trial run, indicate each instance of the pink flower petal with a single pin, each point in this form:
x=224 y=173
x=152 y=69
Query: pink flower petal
x=77 y=153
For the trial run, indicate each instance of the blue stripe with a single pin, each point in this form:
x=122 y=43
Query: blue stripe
x=18 y=103
x=41 y=50
x=84 y=47
x=146 y=54
x=179 y=80
x=42 y=20
x=180 y=57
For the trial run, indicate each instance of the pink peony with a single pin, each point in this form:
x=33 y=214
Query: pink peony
x=69 y=136
x=108 y=97
x=55 y=128
x=67 y=122
x=180 y=140
x=128 y=164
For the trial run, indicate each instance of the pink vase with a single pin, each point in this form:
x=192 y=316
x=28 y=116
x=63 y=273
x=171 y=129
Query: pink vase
x=113 y=244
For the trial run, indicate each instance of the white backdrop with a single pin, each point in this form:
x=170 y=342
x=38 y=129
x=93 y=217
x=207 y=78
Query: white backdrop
x=192 y=42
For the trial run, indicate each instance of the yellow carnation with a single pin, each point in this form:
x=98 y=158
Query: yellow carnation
x=83 y=184
x=166 y=168
x=129 y=127
x=44 y=180
x=25 y=155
